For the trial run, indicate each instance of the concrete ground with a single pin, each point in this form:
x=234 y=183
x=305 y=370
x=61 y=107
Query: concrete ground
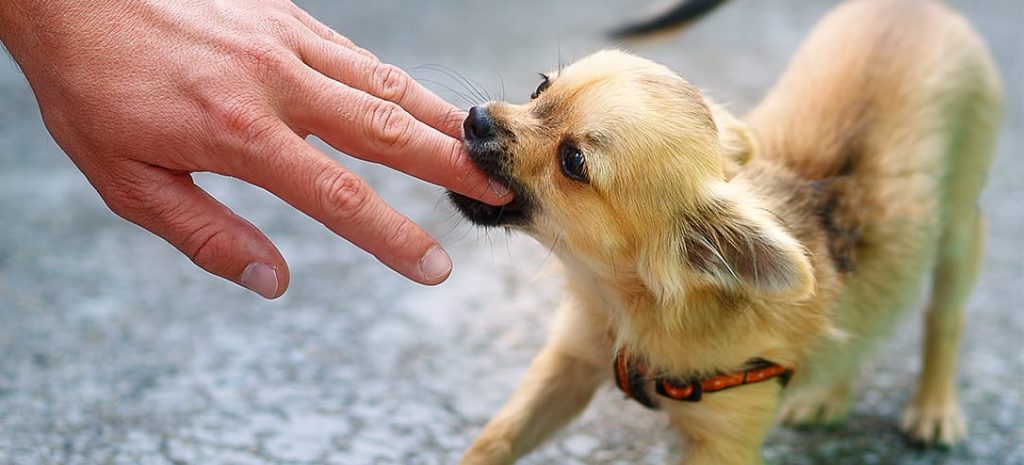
x=114 y=349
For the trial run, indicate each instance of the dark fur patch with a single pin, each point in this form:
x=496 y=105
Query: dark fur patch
x=838 y=221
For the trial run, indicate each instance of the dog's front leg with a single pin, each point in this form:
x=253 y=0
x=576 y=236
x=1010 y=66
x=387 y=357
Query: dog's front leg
x=559 y=383
x=726 y=427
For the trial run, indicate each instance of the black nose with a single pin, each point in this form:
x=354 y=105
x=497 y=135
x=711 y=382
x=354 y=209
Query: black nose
x=478 y=124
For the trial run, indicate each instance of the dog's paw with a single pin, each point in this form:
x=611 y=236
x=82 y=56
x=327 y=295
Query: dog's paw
x=825 y=407
x=936 y=425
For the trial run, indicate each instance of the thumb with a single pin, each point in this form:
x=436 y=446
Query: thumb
x=171 y=206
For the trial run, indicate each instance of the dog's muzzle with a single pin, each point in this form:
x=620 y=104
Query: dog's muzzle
x=483 y=142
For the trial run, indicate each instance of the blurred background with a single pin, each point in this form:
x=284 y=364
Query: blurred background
x=114 y=349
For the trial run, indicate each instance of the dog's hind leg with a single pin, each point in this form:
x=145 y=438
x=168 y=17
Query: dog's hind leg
x=933 y=416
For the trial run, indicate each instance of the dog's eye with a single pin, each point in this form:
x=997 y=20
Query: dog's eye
x=544 y=84
x=574 y=164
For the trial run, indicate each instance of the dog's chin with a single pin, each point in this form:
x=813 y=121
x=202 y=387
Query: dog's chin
x=514 y=213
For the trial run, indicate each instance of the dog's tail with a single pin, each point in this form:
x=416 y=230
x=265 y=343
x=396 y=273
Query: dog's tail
x=678 y=16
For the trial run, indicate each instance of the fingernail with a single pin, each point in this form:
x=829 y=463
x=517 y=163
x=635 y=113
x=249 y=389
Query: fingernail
x=261 y=279
x=499 y=189
x=435 y=265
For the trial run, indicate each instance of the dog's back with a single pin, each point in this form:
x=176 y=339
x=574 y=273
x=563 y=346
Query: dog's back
x=904 y=69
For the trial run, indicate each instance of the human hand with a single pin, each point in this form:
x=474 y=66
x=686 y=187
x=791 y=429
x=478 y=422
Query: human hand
x=142 y=94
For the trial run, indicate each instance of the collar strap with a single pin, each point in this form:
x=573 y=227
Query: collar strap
x=631 y=376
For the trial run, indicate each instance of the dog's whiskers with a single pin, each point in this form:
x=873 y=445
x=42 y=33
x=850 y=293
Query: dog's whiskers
x=467 y=100
x=551 y=250
x=474 y=88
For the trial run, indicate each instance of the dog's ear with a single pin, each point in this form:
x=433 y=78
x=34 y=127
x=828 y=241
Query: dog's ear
x=736 y=247
x=739 y=144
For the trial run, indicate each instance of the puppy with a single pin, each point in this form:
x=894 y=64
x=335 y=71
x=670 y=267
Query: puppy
x=710 y=259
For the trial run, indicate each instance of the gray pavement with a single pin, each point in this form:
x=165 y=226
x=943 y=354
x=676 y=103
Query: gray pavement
x=115 y=350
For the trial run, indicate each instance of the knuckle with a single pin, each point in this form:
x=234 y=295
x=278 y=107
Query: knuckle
x=389 y=124
x=265 y=59
x=245 y=119
x=126 y=197
x=285 y=27
x=277 y=24
x=391 y=83
x=204 y=246
x=344 y=197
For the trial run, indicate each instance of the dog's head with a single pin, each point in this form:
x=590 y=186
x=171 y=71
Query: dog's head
x=616 y=159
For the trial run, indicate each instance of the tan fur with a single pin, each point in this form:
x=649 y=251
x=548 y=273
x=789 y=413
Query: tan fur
x=703 y=241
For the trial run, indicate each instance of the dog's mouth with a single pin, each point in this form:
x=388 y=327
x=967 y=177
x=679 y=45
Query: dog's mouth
x=482 y=214
x=490 y=157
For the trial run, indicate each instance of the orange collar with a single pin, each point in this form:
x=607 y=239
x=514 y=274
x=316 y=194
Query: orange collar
x=631 y=376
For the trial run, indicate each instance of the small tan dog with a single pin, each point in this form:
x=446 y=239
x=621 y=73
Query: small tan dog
x=709 y=258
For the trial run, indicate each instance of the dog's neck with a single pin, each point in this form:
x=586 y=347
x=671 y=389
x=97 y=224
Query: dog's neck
x=659 y=330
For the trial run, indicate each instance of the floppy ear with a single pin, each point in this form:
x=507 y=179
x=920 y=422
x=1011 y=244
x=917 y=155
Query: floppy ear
x=739 y=144
x=737 y=247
